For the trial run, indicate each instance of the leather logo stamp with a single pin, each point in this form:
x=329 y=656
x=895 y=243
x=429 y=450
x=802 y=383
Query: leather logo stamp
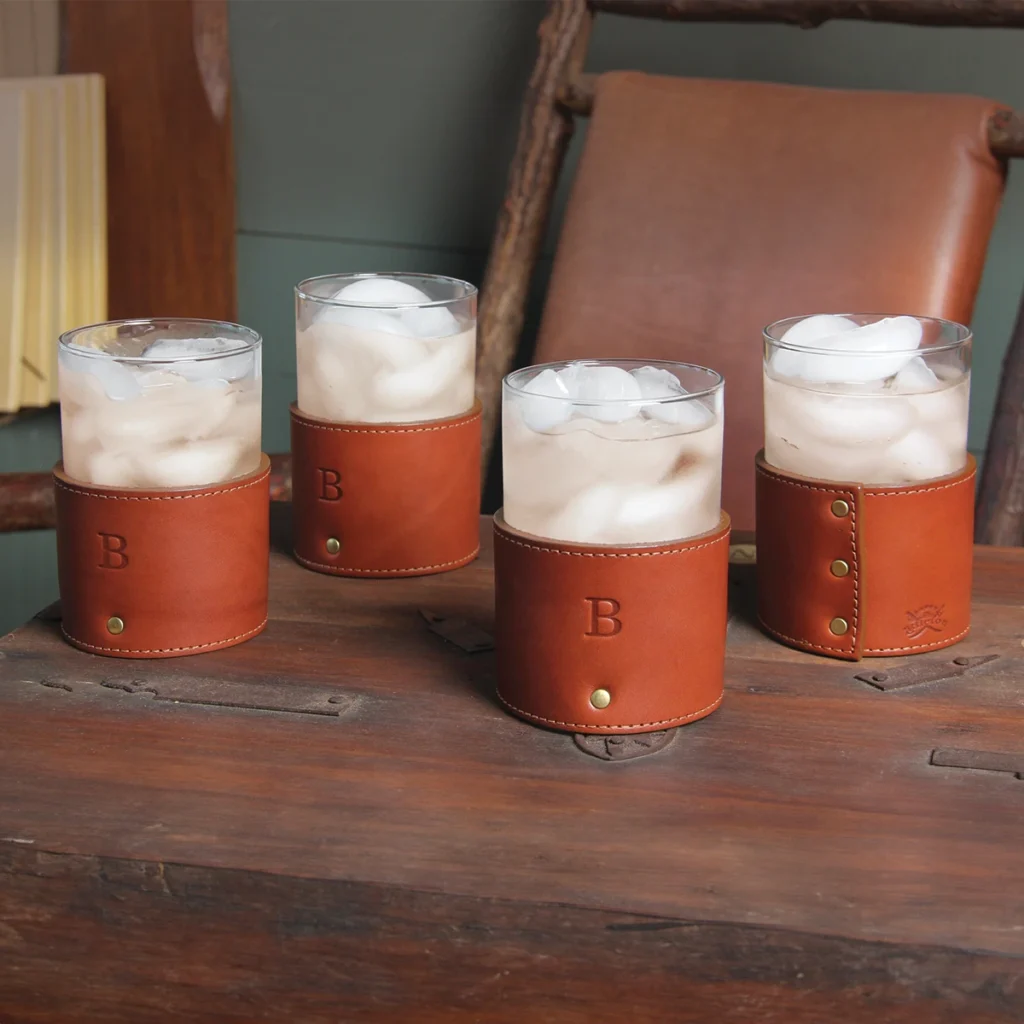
x=114 y=547
x=330 y=484
x=603 y=612
x=927 y=617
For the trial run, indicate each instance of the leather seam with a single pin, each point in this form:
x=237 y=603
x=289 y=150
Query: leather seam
x=376 y=572
x=855 y=568
x=917 y=490
x=945 y=642
x=597 y=725
x=393 y=430
x=161 y=497
x=804 y=643
x=613 y=554
x=164 y=650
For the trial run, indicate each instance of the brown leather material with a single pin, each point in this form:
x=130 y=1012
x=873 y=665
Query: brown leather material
x=704 y=210
x=646 y=624
x=184 y=570
x=909 y=551
x=400 y=499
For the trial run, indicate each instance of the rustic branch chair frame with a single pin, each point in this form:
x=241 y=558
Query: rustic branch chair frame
x=559 y=91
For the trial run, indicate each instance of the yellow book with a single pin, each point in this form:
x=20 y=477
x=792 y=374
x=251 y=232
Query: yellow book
x=13 y=231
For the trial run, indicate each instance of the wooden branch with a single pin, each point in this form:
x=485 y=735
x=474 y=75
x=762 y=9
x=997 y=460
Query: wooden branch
x=544 y=131
x=1000 y=511
x=811 y=13
x=26 y=499
x=1005 y=128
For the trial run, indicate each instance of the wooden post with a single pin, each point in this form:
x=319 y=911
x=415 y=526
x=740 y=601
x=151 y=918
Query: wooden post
x=1000 y=513
x=544 y=132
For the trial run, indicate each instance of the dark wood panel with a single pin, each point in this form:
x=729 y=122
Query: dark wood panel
x=170 y=169
x=103 y=939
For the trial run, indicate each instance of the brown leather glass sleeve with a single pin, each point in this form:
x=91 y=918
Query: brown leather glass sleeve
x=381 y=499
x=160 y=574
x=610 y=640
x=854 y=571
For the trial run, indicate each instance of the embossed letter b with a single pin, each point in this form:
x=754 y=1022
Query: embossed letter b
x=114 y=554
x=603 y=612
x=330 y=489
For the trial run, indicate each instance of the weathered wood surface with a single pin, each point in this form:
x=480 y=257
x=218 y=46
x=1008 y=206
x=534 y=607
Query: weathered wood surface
x=376 y=840
x=170 y=164
x=811 y=13
x=1000 y=516
x=544 y=132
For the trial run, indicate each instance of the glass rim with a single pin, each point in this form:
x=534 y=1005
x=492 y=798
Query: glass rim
x=248 y=344
x=965 y=336
x=301 y=290
x=661 y=364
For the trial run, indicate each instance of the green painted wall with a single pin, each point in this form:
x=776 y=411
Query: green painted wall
x=375 y=135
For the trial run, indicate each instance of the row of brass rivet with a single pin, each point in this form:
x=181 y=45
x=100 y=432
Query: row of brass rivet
x=839 y=626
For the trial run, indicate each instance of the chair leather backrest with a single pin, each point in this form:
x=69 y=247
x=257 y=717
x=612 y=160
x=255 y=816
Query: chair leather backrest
x=703 y=210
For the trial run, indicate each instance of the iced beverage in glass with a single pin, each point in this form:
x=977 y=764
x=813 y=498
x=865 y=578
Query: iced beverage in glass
x=867 y=399
x=612 y=451
x=160 y=403
x=385 y=348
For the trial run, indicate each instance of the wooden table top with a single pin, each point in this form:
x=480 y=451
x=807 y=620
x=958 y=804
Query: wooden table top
x=349 y=750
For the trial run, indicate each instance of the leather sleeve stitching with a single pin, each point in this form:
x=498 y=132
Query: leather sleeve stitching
x=377 y=572
x=921 y=647
x=391 y=430
x=613 y=554
x=963 y=482
x=597 y=725
x=163 y=650
x=802 y=643
x=159 y=497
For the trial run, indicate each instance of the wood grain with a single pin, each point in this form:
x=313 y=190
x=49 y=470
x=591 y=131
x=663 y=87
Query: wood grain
x=422 y=856
x=170 y=171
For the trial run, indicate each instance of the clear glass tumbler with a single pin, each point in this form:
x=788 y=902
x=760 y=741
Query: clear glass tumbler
x=866 y=398
x=385 y=348
x=160 y=403
x=613 y=451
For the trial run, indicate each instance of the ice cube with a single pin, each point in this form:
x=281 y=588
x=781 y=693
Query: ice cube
x=377 y=321
x=862 y=354
x=193 y=465
x=607 y=393
x=430 y=321
x=111 y=469
x=921 y=456
x=588 y=516
x=423 y=382
x=119 y=382
x=550 y=405
x=915 y=377
x=813 y=329
x=656 y=383
x=197 y=358
x=381 y=291
x=683 y=508
x=840 y=419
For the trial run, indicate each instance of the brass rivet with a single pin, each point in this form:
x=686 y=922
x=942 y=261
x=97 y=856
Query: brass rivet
x=600 y=699
x=838 y=626
x=115 y=625
x=333 y=545
x=840 y=508
x=839 y=567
